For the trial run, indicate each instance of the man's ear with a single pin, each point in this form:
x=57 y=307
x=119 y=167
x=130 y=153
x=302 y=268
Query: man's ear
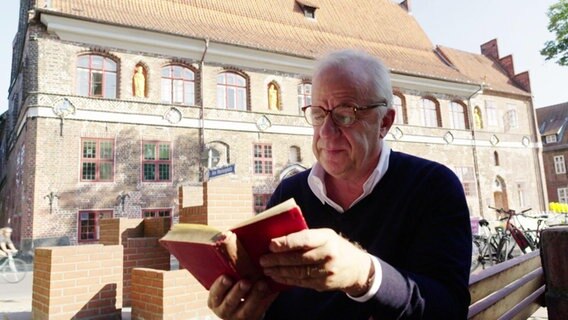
x=386 y=122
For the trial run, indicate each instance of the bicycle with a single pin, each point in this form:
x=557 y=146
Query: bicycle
x=490 y=248
x=518 y=233
x=13 y=270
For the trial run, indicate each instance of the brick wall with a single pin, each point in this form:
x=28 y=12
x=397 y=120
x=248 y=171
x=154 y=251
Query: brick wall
x=139 y=238
x=226 y=202
x=83 y=282
x=158 y=294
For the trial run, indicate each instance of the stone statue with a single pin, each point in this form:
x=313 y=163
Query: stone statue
x=272 y=97
x=139 y=82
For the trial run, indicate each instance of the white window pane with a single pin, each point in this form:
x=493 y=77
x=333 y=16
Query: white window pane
x=166 y=90
x=221 y=97
x=189 y=98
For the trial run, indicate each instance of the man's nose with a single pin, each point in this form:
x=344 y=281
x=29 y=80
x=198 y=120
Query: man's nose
x=328 y=126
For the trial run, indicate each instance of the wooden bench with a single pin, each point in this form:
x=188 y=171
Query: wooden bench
x=513 y=289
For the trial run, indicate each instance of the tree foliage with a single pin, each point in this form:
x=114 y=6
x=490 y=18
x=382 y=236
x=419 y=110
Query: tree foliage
x=558 y=25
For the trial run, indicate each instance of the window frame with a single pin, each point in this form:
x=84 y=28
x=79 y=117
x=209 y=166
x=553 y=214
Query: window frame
x=263 y=159
x=458 y=115
x=157 y=213
x=491 y=113
x=98 y=215
x=401 y=116
x=562 y=194
x=551 y=138
x=559 y=164
x=91 y=71
x=304 y=95
x=225 y=87
x=156 y=161
x=172 y=80
x=466 y=175
x=430 y=113
x=260 y=205
x=97 y=160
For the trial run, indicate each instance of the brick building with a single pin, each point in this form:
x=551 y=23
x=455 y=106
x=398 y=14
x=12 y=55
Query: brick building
x=115 y=105
x=553 y=125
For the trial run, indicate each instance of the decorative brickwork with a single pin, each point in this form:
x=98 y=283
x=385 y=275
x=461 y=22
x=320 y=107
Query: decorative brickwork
x=80 y=282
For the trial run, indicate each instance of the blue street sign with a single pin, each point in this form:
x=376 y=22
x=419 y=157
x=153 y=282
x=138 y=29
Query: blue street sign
x=212 y=173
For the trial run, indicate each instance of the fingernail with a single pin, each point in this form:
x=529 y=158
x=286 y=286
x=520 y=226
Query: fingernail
x=226 y=281
x=244 y=285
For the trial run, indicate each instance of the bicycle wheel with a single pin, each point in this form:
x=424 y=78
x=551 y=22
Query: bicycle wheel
x=13 y=270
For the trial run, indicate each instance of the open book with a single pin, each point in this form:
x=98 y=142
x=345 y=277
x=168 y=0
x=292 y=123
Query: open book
x=208 y=253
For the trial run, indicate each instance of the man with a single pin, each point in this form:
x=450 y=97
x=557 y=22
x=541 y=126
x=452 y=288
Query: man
x=389 y=233
x=6 y=244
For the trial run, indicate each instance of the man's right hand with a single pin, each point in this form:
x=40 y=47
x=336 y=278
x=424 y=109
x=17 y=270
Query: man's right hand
x=241 y=300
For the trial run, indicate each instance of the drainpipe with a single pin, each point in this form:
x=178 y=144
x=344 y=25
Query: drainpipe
x=202 y=114
x=474 y=149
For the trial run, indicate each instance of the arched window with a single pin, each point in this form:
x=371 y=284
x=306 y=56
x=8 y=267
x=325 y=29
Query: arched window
x=96 y=76
x=496 y=158
x=304 y=95
x=231 y=91
x=399 y=104
x=178 y=85
x=458 y=115
x=294 y=155
x=429 y=110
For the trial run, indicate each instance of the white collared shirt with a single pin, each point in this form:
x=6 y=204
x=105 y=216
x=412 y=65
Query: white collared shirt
x=316 y=181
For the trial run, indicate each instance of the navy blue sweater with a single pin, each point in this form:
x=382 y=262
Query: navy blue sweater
x=416 y=221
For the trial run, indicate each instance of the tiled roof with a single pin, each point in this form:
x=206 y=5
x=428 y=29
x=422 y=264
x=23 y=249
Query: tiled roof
x=482 y=70
x=380 y=27
x=551 y=119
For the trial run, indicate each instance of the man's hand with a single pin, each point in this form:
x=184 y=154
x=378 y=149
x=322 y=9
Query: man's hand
x=319 y=259
x=241 y=300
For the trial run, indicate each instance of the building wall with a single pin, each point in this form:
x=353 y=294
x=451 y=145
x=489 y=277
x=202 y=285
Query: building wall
x=54 y=167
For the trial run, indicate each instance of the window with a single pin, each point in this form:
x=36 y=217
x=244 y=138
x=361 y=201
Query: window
x=231 y=91
x=559 y=165
x=294 y=155
x=429 y=110
x=399 y=104
x=304 y=95
x=550 y=138
x=178 y=85
x=496 y=158
x=88 y=228
x=157 y=161
x=96 y=76
x=521 y=194
x=491 y=112
x=262 y=158
x=457 y=114
x=260 y=201
x=97 y=159
x=562 y=195
x=511 y=117
x=158 y=213
x=467 y=177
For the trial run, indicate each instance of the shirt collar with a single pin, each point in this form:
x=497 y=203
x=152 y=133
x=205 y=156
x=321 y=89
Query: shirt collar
x=317 y=175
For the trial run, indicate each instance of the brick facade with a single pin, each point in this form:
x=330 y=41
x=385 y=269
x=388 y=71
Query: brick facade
x=44 y=149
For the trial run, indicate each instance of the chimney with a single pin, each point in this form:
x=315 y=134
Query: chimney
x=523 y=80
x=406 y=5
x=507 y=64
x=490 y=49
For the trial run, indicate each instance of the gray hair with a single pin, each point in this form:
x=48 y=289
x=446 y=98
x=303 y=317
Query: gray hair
x=372 y=75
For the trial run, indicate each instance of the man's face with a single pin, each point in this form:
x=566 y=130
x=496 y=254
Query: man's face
x=345 y=152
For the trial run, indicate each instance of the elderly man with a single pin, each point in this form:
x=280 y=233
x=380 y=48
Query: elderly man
x=389 y=233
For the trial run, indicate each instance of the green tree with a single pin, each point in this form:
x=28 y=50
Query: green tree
x=558 y=24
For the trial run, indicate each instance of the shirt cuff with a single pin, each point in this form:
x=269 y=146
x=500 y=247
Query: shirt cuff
x=378 y=279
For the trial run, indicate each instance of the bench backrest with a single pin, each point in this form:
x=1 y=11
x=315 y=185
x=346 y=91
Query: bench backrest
x=513 y=289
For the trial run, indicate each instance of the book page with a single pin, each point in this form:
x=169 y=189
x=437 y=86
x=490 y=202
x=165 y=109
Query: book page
x=282 y=207
x=197 y=233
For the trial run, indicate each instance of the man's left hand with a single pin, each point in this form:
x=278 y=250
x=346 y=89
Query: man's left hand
x=319 y=259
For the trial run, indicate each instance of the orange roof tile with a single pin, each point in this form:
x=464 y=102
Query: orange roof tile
x=483 y=70
x=380 y=27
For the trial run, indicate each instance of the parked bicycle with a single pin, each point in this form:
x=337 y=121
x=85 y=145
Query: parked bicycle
x=13 y=270
x=495 y=247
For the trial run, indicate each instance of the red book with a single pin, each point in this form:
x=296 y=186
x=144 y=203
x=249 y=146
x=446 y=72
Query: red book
x=208 y=253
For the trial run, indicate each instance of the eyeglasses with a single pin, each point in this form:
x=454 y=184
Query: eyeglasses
x=343 y=115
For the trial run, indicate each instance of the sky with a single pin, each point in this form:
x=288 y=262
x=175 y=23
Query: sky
x=518 y=25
